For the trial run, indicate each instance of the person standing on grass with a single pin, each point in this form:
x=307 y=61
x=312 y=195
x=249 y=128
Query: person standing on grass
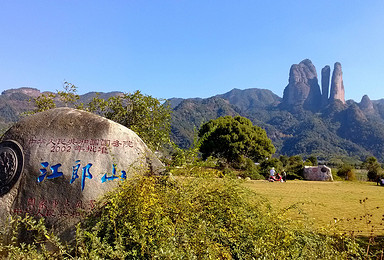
x=272 y=172
x=284 y=176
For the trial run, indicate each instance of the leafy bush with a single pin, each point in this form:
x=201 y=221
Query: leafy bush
x=373 y=167
x=266 y=166
x=41 y=245
x=347 y=172
x=152 y=217
x=295 y=168
x=147 y=116
x=248 y=169
x=312 y=161
x=192 y=218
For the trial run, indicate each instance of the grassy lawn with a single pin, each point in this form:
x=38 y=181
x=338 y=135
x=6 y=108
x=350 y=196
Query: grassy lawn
x=323 y=202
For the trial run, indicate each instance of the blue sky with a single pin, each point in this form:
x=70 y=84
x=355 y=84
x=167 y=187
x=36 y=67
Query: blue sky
x=177 y=48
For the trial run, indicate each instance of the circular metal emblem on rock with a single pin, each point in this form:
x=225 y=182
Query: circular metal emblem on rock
x=11 y=165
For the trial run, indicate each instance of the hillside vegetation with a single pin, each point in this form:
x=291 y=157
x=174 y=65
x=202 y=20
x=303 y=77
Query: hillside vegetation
x=336 y=130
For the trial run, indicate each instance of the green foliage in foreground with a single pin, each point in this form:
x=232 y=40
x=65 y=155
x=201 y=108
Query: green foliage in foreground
x=192 y=218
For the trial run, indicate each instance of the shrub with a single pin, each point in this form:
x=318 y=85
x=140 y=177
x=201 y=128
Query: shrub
x=152 y=217
x=266 y=166
x=40 y=241
x=373 y=167
x=249 y=169
x=347 y=172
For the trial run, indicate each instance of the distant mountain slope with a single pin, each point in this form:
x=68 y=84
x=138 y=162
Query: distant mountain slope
x=337 y=129
x=189 y=114
x=174 y=102
x=15 y=102
x=86 y=98
x=251 y=99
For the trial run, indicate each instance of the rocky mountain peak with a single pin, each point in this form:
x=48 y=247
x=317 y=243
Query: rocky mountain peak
x=366 y=105
x=302 y=72
x=325 y=76
x=354 y=113
x=337 y=86
x=32 y=92
x=303 y=88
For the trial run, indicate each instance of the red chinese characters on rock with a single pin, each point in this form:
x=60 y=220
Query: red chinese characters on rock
x=103 y=146
x=56 y=208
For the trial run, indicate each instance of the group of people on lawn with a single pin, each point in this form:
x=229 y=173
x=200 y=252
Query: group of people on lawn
x=275 y=176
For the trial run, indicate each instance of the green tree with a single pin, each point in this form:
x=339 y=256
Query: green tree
x=233 y=138
x=284 y=160
x=295 y=167
x=48 y=101
x=373 y=167
x=44 y=102
x=347 y=172
x=148 y=117
x=267 y=165
x=312 y=160
x=69 y=96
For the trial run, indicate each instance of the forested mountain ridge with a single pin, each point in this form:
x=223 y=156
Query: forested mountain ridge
x=325 y=133
x=307 y=120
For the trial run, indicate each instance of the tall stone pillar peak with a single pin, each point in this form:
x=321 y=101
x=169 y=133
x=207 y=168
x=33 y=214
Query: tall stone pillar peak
x=337 y=86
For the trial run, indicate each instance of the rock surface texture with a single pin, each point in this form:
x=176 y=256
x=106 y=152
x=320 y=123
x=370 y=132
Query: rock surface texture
x=325 y=77
x=303 y=88
x=366 y=105
x=69 y=159
x=317 y=173
x=337 y=86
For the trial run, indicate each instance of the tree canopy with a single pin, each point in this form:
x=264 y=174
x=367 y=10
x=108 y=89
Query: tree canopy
x=373 y=167
x=148 y=117
x=232 y=138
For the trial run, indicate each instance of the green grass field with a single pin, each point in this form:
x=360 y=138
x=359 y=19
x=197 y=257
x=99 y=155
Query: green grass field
x=327 y=204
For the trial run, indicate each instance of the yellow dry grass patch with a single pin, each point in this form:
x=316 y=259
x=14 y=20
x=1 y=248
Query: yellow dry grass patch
x=327 y=204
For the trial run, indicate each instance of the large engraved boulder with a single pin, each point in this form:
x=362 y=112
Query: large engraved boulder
x=318 y=173
x=56 y=164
